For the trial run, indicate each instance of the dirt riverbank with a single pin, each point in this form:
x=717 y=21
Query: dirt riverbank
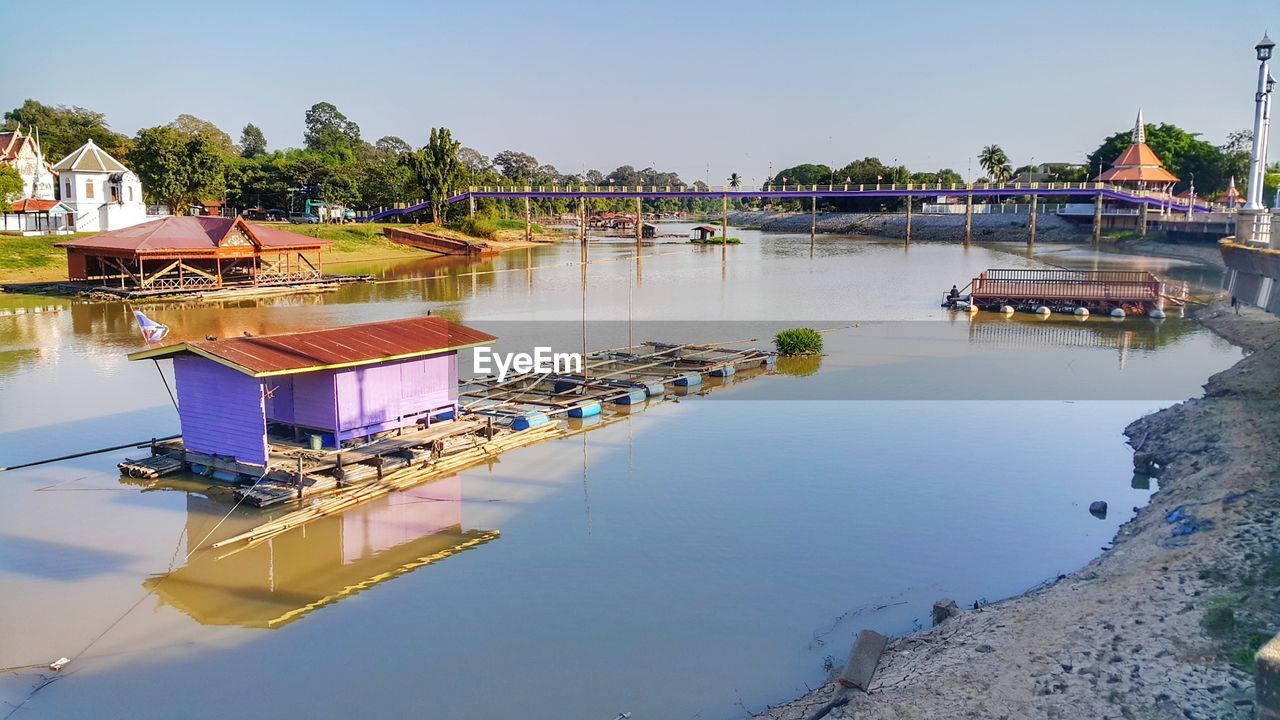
x=1161 y=625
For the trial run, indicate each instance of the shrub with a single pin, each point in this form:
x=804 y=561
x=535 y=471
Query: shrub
x=715 y=241
x=798 y=341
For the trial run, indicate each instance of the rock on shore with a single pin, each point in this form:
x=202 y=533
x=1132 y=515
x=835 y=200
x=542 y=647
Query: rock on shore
x=1008 y=227
x=1150 y=628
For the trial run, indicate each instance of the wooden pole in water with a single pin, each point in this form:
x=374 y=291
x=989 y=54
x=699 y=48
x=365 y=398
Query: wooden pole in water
x=908 y=218
x=528 y=221
x=1031 y=226
x=968 y=217
x=1097 y=217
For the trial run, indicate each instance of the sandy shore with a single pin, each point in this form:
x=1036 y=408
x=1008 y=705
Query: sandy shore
x=1162 y=624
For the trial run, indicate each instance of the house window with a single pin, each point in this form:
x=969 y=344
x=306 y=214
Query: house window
x=115 y=193
x=130 y=193
x=67 y=193
x=88 y=188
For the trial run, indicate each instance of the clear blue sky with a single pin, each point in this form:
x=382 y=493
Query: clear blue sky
x=681 y=85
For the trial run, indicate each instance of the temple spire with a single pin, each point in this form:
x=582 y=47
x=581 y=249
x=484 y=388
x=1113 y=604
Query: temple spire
x=1139 y=130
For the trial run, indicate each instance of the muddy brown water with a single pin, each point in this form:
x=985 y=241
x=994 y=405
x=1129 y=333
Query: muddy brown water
x=700 y=558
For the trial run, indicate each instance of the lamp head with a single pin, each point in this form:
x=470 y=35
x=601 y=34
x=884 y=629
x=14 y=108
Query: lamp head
x=1264 y=48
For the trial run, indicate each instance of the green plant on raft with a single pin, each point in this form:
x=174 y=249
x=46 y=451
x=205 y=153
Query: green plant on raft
x=715 y=241
x=798 y=341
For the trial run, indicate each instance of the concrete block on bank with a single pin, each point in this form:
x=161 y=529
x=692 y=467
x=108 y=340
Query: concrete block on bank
x=866 y=653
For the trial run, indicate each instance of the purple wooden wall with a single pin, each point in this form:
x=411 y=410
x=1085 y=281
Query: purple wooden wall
x=390 y=395
x=223 y=411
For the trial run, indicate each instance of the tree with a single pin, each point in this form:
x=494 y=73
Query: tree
x=516 y=166
x=252 y=142
x=11 y=186
x=192 y=125
x=735 y=180
x=1235 y=157
x=330 y=132
x=64 y=128
x=392 y=145
x=995 y=163
x=176 y=168
x=436 y=170
x=474 y=162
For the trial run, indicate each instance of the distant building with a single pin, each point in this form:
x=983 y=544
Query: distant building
x=103 y=194
x=1138 y=167
x=30 y=216
x=22 y=153
x=1044 y=172
x=1231 y=198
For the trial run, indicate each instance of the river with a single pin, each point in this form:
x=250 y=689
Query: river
x=700 y=559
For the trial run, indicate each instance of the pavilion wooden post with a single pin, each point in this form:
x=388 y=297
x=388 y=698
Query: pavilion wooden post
x=968 y=217
x=1142 y=220
x=1031 y=225
x=528 y=221
x=908 y=218
x=639 y=220
x=1097 y=217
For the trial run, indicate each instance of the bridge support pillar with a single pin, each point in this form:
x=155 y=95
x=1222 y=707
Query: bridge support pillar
x=582 y=221
x=813 y=221
x=908 y=218
x=724 y=227
x=968 y=217
x=1031 y=226
x=1097 y=218
x=639 y=221
x=1142 y=220
x=528 y=221
x=471 y=205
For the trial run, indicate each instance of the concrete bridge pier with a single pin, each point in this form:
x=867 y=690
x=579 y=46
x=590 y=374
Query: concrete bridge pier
x=1097 y=218
x=724 y=227
x=528 y=221
x=813 y=220
x=1142 y=220
x=908 y=219
x=582 y=221
x=1031 y=226
x=968 y=217
x=471 y=205
x=639 y=221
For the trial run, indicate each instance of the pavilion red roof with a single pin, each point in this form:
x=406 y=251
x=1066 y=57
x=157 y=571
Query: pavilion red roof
x=342 y=347
x=1138 y=163
x=31 y=205
x=178 y=233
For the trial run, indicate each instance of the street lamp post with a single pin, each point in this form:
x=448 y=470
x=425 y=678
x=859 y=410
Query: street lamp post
x=1252 y=224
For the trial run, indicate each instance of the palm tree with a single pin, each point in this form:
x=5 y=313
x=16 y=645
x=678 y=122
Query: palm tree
x=735 y=180
x=995 y=163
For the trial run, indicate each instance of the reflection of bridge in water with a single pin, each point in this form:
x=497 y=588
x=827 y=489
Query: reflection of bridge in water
x=276 y=583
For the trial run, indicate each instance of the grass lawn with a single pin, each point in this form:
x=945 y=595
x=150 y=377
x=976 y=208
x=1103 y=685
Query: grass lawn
x=34 y=258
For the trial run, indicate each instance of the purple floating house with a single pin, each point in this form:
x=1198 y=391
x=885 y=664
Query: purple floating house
x=333 y=385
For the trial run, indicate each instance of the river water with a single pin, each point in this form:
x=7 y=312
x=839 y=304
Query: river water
x=699 y=559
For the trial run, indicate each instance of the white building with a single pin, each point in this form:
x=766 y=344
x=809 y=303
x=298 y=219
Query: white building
x=103 y=194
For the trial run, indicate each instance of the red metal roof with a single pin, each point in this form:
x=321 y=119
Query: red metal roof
x=350 y=346
x=189 y=233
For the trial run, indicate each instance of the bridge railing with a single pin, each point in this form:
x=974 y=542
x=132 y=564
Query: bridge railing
x=923 y=188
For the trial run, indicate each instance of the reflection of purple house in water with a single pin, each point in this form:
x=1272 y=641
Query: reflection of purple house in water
x=278 y=582
x=320 y=388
